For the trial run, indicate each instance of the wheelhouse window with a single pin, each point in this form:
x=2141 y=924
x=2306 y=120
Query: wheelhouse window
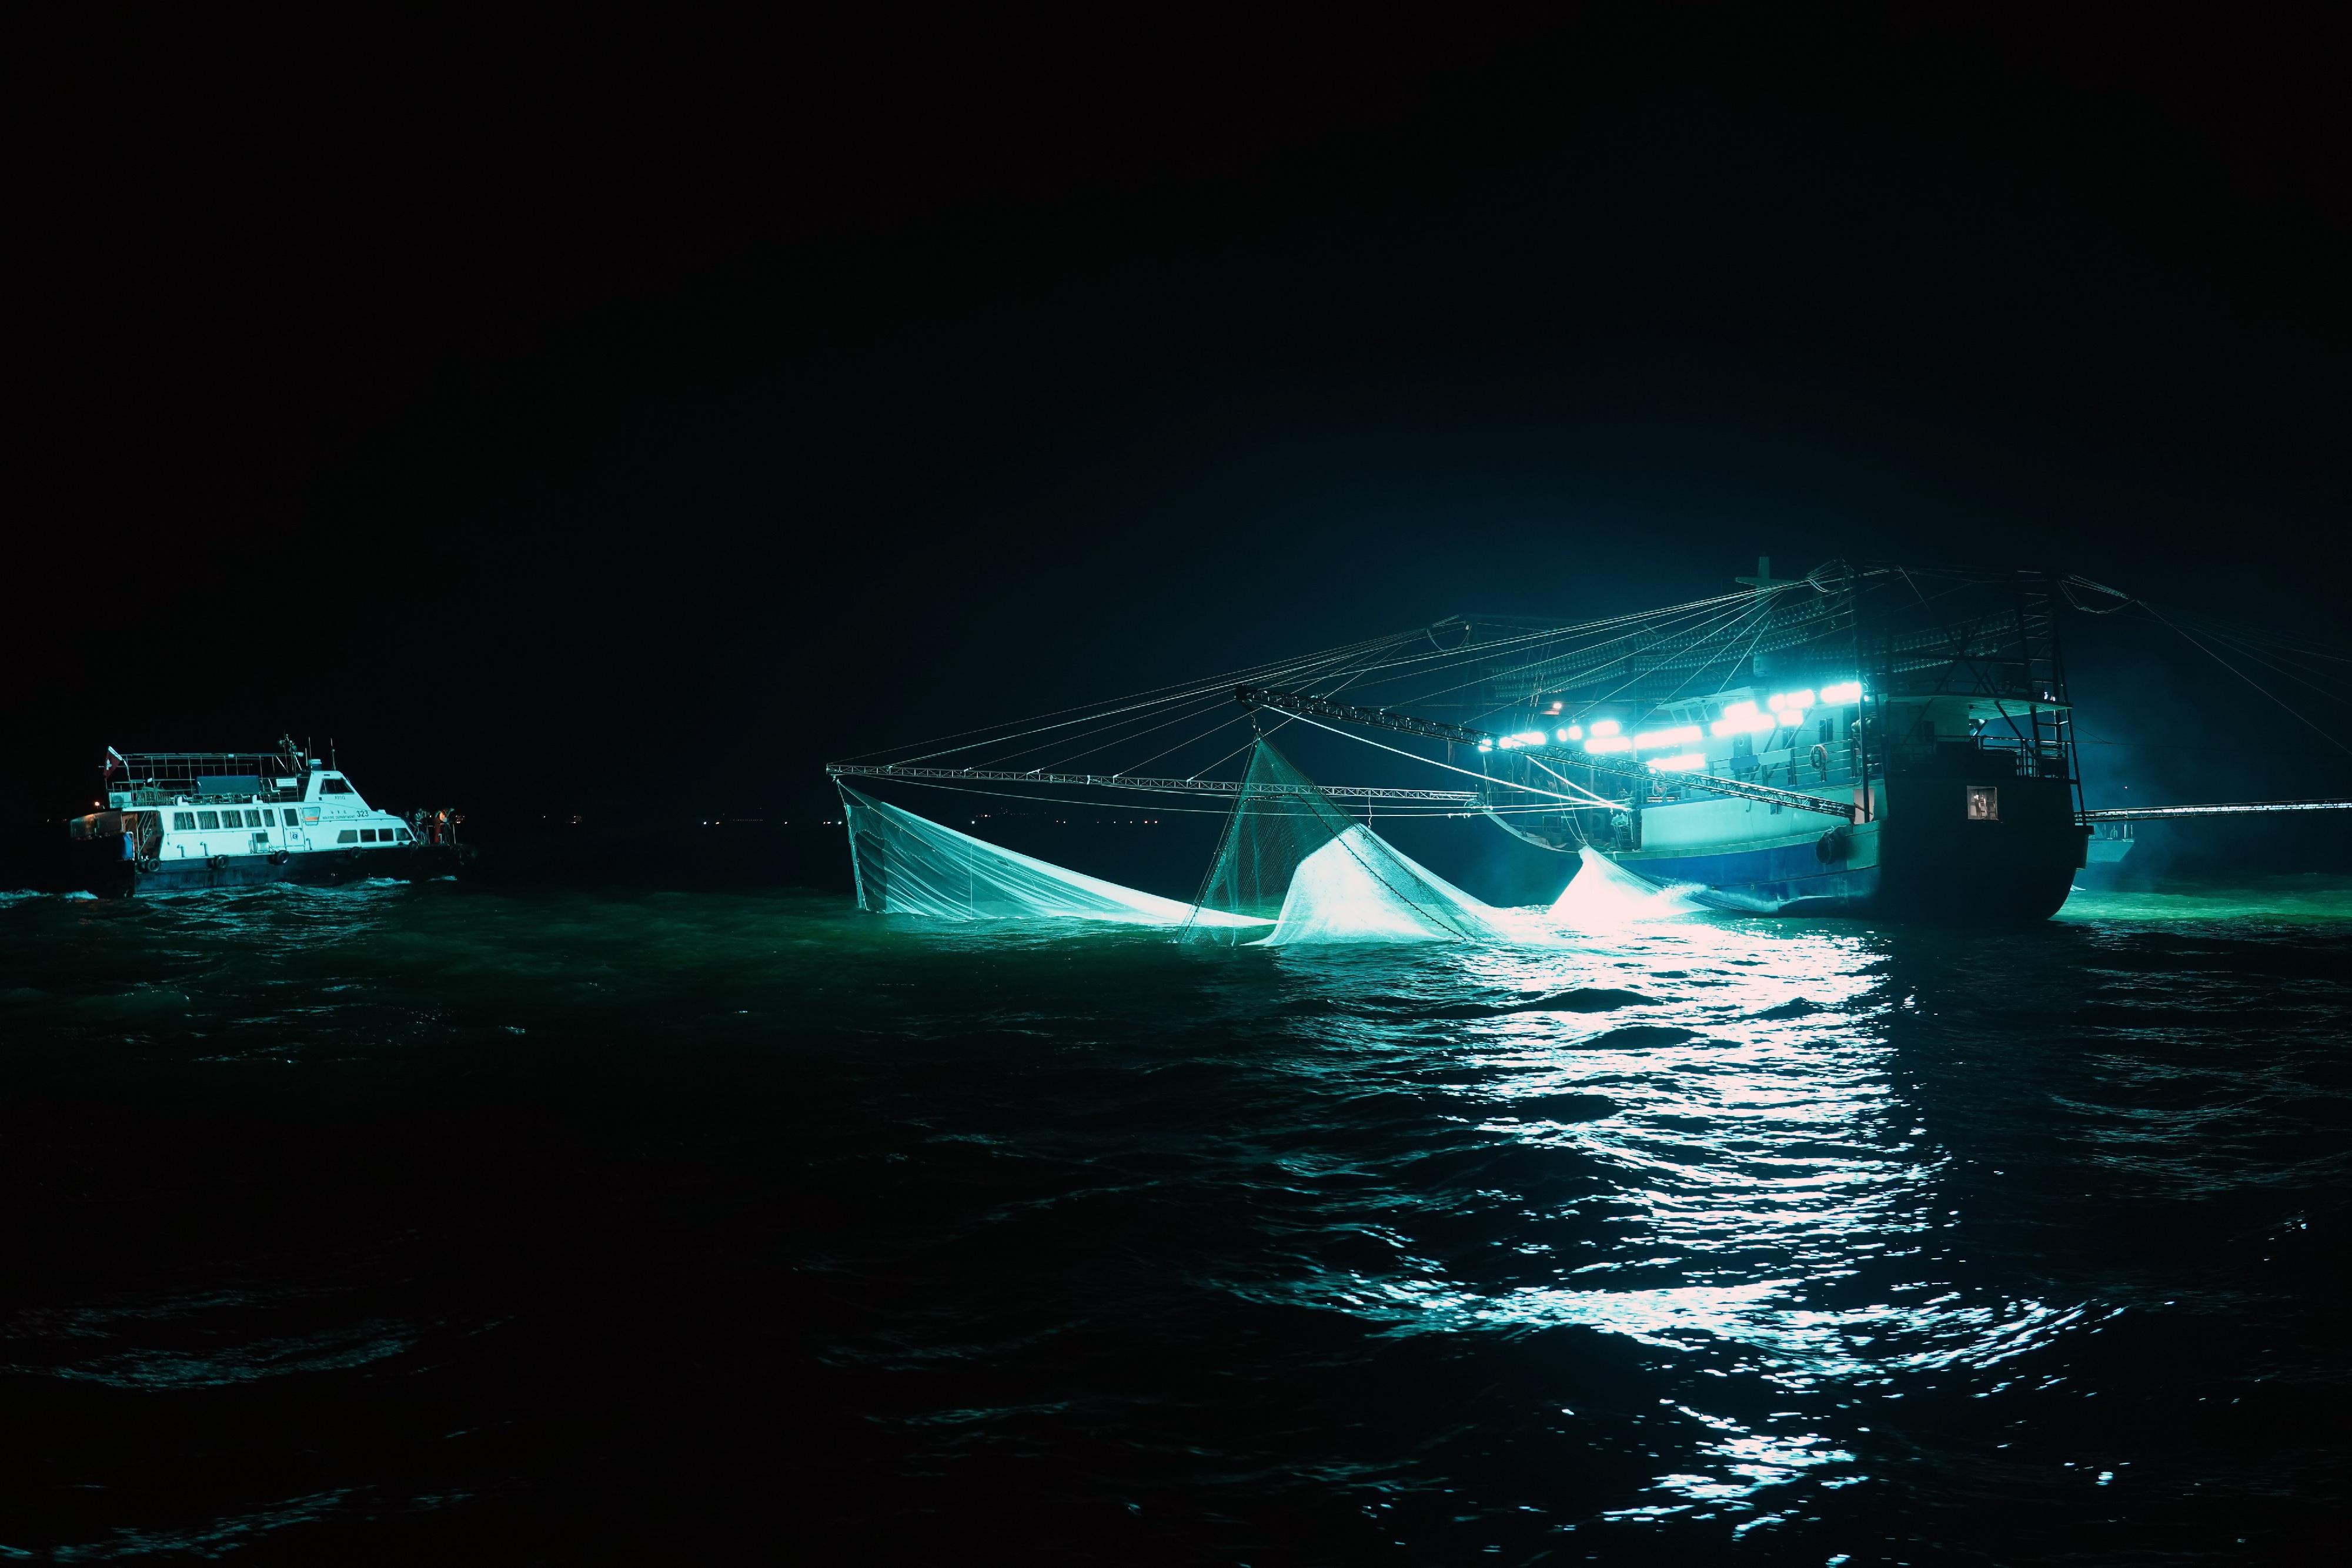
x=334 y=786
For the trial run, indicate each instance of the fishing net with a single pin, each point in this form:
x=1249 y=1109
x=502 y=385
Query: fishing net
x=908 y=864
x=1290 y=855
x=1603 y=893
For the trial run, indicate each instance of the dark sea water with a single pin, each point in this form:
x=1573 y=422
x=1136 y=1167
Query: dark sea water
x=423 y=1224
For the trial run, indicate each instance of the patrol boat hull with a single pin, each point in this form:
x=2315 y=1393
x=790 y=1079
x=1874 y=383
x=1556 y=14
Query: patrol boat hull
x=187 y=820
x=110 y=876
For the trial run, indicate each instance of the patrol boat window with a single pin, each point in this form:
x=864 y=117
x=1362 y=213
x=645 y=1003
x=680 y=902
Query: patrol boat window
x=293 y=818
x=183 y=822
x=334 y=786
x=208 y=819
x=348 y=836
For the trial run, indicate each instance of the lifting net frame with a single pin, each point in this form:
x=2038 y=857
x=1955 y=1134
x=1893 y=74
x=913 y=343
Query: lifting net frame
x=1288 y=855
x=908 y=864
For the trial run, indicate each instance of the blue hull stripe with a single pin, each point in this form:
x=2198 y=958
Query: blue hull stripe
x=1781 y=878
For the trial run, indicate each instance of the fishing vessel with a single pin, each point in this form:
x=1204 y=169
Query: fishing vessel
x=1841 y=743
x=169 y=820
x=1871 y=739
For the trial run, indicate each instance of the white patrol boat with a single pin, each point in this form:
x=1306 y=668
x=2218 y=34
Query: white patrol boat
x=176 y=820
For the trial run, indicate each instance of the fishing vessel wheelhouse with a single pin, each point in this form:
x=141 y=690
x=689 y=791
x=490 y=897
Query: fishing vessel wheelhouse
x=177 y=819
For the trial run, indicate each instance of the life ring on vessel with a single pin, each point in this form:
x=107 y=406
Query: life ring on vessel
x=1833 y=846
x=1820 y=759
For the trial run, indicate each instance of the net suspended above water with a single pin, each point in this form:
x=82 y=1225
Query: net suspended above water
x=1291 y=867
x=1290 y=854
x=908 y=864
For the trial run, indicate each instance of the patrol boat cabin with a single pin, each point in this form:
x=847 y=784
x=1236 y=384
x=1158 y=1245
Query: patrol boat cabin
x=186 y=818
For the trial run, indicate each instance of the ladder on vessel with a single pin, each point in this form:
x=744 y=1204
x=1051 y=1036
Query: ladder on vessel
x=2049 y=717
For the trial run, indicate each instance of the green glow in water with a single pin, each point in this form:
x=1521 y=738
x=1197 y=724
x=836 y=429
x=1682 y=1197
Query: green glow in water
x=2311 y=896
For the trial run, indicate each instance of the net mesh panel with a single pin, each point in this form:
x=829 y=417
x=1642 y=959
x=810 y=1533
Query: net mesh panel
x=1290 y=855
x=1603 y=893
x=1277 y=822
x=908 y=864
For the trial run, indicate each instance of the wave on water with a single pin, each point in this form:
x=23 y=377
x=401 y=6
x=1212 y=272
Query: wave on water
x=1674 y=1238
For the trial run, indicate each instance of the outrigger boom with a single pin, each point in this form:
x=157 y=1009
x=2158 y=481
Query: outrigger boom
x=1466 y=798
x=2239 y=809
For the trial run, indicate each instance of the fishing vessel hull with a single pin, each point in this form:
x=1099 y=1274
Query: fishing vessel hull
x=1997 y=850
x=1775 y=879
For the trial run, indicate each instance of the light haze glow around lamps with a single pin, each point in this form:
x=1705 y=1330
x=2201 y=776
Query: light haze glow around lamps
x=1740 y=719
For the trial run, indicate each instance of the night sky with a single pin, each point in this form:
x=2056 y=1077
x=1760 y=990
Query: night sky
x=634 y=425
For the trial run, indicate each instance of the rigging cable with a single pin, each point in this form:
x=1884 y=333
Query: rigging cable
x=2249 y=680
x=2247 y=649
x=1203 y=695
x=1431 y=761
x=1596 y=798
x=2066 y=585
x=1148 y=696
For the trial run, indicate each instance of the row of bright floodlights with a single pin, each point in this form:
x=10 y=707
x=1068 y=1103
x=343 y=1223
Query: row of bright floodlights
x=1789 y=709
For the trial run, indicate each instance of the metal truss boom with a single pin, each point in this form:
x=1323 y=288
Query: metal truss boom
x=1349 y=713
x=1405 y=724
x=2242 y=809
x=1466 y=799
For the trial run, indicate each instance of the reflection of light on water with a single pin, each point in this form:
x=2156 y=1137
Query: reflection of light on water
x=2284 y=900
x=1757 y=1166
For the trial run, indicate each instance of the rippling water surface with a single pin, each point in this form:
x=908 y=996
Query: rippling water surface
x=404 y=1223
